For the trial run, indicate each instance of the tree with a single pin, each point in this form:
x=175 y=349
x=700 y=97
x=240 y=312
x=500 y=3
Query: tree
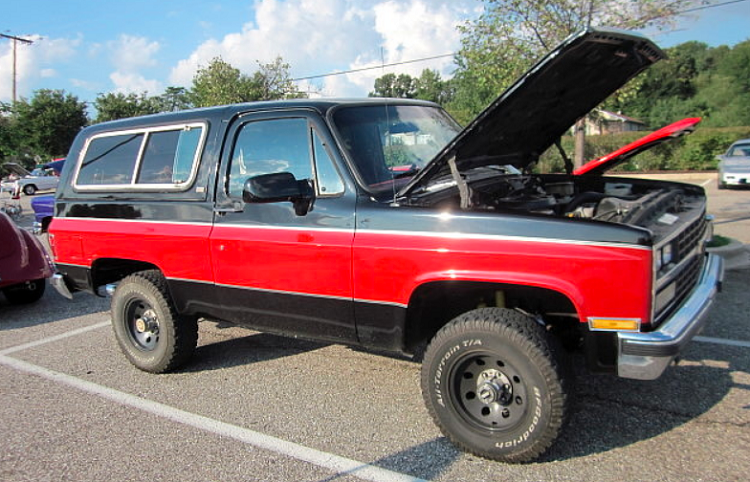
x=174 y=99
x=219 y=83
x=511 y=35
x=431 y=86
x=402 y=86
x=272 y=81
x=428 y=86
x=46 y=126
x=114 y=106
x=695 y=80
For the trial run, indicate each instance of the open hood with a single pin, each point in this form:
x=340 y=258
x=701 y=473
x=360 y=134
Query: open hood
x=16 y=169
x=538 y=108
x=599 y=166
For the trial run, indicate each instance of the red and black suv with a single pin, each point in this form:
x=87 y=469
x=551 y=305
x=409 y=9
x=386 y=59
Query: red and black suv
x=381 y=223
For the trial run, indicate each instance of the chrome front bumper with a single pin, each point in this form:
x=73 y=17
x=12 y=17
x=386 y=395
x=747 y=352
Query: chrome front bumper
x=645 y=356
x=58 y=282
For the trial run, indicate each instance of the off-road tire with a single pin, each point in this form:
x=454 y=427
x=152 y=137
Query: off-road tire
x=494 y=383
x=25 y=293
x=147 y=327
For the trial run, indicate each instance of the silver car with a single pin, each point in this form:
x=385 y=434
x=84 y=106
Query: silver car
x=734 y=165
x=29 y=183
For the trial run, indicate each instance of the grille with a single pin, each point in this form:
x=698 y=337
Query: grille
x=690 y=263
x=690 y=237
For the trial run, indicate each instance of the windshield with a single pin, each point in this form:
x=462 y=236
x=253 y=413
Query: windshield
x=390 y=143
x=740 y=150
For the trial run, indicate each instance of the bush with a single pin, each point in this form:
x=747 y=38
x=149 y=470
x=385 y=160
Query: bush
x=695 y=152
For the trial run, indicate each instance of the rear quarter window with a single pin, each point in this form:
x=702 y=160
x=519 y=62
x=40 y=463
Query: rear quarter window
x=159 y=158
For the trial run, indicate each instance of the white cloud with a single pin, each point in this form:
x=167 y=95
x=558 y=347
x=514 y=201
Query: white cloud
x=33 y=62
x=126 y=83
x=130 y=55
x=411 y=30
x=321 y=36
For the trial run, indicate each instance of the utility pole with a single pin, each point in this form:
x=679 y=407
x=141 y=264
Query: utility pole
x=15 y=43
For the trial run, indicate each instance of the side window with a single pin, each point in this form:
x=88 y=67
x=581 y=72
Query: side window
x=110 y=160
x=157 y=164
x=270 y=146
x=163 y=158
x=329 y=181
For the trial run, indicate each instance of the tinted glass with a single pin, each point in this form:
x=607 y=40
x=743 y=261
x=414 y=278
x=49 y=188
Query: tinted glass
x=264 y=147
x=157 y=164
x=394 y=141
x=329 y=181
x=187 y=147
x=110 y=160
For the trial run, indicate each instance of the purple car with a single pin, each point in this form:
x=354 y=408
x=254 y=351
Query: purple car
x=24 y=265
x=43 y=207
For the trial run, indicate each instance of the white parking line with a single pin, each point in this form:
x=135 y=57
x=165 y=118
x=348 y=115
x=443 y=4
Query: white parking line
x=337 y=464
x=722 y=341
x=44 y=341
x=706 y=182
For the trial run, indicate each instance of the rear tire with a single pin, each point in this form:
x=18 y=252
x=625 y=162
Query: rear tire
x=25 y=293
x=147 y=327
x=493 y=384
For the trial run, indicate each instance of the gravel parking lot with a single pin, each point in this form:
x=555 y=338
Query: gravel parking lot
x=253 y=406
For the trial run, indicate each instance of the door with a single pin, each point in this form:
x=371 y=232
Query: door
x=277 y=270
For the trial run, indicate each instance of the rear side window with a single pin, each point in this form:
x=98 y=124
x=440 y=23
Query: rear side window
x=163 y=158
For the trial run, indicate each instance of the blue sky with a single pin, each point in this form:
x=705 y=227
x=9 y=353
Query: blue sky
x=90 y=47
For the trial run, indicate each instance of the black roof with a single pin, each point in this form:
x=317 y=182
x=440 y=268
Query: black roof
x=229 y=111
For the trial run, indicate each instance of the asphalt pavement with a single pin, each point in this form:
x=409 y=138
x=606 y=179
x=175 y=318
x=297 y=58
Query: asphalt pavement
x=253 y=406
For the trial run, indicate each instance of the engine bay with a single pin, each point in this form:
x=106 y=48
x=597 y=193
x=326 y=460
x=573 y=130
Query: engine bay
x=655 y=205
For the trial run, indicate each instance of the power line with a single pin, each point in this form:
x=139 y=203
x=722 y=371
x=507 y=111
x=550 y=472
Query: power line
x=344 y=72
x=706 y=7
x=424 y=59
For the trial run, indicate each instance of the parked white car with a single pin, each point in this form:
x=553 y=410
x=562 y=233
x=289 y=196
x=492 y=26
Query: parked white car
x=734 y=165
x=29 y=183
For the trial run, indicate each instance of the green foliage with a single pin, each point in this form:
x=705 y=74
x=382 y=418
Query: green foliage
x=431 y=86
x=506 y=40
x=42 y=128
x=174 y=99
x=428 y=86
x=118 y=106
x=272 y=81
x=402 y=86
x=696 y=80
x=219 y=83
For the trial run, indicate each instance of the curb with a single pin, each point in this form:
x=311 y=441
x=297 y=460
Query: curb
x=736 y=255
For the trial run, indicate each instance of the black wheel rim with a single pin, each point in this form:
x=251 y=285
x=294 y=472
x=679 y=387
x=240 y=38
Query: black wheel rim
x=488 y=392
x=142 y=325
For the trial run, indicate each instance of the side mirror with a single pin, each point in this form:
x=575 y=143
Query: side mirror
x=280 y=187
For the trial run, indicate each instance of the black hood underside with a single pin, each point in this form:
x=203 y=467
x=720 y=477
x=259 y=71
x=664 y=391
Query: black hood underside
x=543 y=104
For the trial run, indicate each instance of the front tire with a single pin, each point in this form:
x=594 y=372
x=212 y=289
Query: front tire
x=492 y=383
x=147 y=327
x=29 y=189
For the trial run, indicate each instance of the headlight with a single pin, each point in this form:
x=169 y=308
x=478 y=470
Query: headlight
x=666 y=255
